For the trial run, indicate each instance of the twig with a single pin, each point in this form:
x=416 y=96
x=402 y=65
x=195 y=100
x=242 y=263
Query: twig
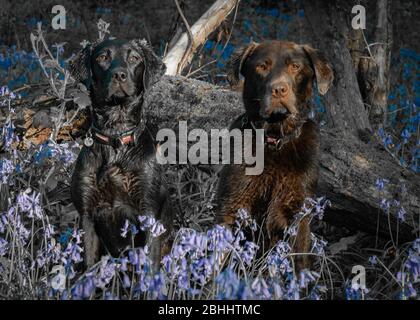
x=190 y=37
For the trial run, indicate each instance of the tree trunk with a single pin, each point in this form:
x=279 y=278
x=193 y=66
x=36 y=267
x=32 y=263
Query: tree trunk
x=327 y=21
x=374 y=66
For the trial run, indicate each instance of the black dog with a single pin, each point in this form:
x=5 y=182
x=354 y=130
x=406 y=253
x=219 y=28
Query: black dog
x=116 y=175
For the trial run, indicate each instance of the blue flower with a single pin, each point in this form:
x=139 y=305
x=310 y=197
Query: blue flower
x=401 y=213
x=373 y=260
x=380 y=183
x=405 y=134
x=124 y=229
x=385 y=205
x=209 y=45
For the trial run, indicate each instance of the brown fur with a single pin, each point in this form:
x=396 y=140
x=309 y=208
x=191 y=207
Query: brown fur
x=291 y=173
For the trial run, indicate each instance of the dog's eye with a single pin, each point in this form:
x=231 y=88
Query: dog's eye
x=295 y=66
x=261 y=67
x=102 y=58
x=133 y=59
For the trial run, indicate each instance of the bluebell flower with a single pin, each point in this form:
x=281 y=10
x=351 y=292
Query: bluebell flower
x=30 y=203
x=126 y=281
x=157 y=229
x=124 y=229
x=6 y=168
x=385 y=205
x=4 y=246
x=260 y=288
x=306 y=277
x=405 y=134
x=373 y=260
x=318 y=245
x=401 y=213
x=380 y=183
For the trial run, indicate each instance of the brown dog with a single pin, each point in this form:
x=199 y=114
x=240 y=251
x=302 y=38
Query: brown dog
x=278 y=78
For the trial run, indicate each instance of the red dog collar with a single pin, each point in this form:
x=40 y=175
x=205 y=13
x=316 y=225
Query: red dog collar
x=115 y=140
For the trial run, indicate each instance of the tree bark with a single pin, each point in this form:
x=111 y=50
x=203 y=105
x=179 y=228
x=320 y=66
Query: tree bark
x=373 y=69
x=327 y=23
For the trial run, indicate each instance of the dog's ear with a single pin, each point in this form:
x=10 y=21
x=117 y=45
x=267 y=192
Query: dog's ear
x=80 y=66
x=237 y=62
x=154 y=68
x=323 y=71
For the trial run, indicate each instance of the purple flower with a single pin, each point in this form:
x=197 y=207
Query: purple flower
x=306 y=277
x=401 y=213
x=106 y=273
x=385 y=205
x=8 y=134
x=248 y=252
x=230 y=286
x=380 y=183
x=4 y=246
x=242 y=215
x=77 y=235
x=3 y=223
x=123 y=264
x=405 y=134
x=126 y=281
x=278 y=260
x=6 y=168
x=373 y=260
x=318 y=245
x=219 y=238
x=124 y=229
x=157 y=229
x=146 y=222
x=260 y=288
x=29 y=203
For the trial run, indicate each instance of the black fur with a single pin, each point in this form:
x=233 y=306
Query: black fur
x=110 y=185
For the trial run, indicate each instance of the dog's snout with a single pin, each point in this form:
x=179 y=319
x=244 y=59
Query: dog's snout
x=279 y=89
x=120 y=76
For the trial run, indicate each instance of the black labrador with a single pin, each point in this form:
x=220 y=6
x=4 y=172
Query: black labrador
x=117 y=177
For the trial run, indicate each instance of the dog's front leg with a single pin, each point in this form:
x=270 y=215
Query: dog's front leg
x=91 y=241
x=153 y=204
x=84 y=195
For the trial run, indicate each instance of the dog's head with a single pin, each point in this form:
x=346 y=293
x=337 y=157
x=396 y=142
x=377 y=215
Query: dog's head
x=278 y=77
x=116 y=71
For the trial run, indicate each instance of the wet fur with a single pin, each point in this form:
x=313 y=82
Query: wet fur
x=110 y=185
x=290 y=174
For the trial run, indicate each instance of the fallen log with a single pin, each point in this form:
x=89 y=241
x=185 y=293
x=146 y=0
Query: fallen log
x=349 y=166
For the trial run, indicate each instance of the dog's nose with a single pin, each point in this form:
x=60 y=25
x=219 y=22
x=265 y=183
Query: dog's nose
x=280 y=89
x=120 y=76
